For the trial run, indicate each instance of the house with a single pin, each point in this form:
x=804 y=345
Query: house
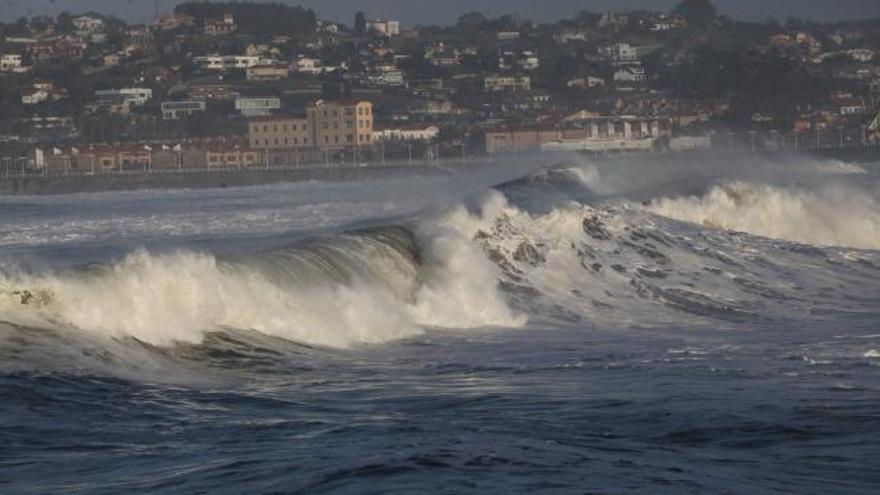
x=231 y=156
x=218 y=27
x=507 y=35
x=849 y=105
x=218 y=91
x=630 y=74
x=136 y=96
x=384 y=27
x=306 y=65
x=586 y=82
x=863 y=55
x=519 y=140
x=176 y=110
x=257 y=106
x=171 y=21
x=112 y=59
x=504 y=83
x=41 y=91
x=34 y=96
x=620 y=53
x=224 y=63
x=88 y=23
x=269 y=72
x=12 y=63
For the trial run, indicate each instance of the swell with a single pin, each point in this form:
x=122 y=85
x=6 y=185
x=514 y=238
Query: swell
x=352 y=288
x=566 y=247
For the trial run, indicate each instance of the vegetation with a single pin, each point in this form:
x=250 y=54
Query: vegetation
x=255 y=18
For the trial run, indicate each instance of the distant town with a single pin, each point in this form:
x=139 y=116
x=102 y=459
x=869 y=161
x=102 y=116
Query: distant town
x=243 y=85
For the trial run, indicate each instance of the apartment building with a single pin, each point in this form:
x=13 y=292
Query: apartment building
x=341 y=124
x=326 y=126
x=279 y=132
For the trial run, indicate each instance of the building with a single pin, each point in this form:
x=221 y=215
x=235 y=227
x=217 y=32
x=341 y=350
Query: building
x=341 y=124
x=12 y=63
x=630 y=74
x=588 y=134
x=518 y=140
x=257 y=106
x=167 y=22
x=279 y=132
x=601 y=134
x=620 y=52
x=305 y=65
x=176 y=110
x=504 y=83
x=88 y=24
x=227 y=62
x=847 y=104
x=217 y=27
x=326 y=126
x=407 y=133
x=135 y=96
x=383 y=27
x=219 y=91
x=271 y=72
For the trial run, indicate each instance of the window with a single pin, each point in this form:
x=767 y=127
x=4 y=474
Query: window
x=335 y=139
x=265 y=128
x=284 y=128
x=349 y=138
x=286 y=142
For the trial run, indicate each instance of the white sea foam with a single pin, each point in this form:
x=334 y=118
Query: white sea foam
x=831 y=215
x=344 y=292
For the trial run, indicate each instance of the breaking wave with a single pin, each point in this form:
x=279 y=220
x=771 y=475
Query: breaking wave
x=829 y=216
x=360 y=287
x=552 y=247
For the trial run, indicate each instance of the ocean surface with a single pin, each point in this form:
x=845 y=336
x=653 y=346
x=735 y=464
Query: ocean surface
x=665 y=324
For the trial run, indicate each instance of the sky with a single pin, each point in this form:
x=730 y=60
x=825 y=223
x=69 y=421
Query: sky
x=411 y=12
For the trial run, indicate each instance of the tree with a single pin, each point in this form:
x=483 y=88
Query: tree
x=472 y=20
x=360 y=23
x=698 y=13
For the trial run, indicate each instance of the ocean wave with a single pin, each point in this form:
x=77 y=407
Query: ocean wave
x=828 y=216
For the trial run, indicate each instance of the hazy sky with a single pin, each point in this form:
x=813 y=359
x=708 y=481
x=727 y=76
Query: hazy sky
x=446 y=11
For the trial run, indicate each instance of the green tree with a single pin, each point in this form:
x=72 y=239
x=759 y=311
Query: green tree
x=698 y=13
x=472 y=20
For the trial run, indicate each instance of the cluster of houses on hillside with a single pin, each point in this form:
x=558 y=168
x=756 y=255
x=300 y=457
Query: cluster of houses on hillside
x=596 y=82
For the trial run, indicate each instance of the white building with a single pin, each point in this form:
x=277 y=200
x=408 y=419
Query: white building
x=88 y=23
x=630 y=74
x=257 y=106
x=34 y=96
x=502 y=83
x=861 y=55
x=507 y=35
x=620 y=52
x=175 y=110
x=305 y=65
x=230 y=62
x=12 y=63
x=383 y=27
x=407 y=133
x=136 y=96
